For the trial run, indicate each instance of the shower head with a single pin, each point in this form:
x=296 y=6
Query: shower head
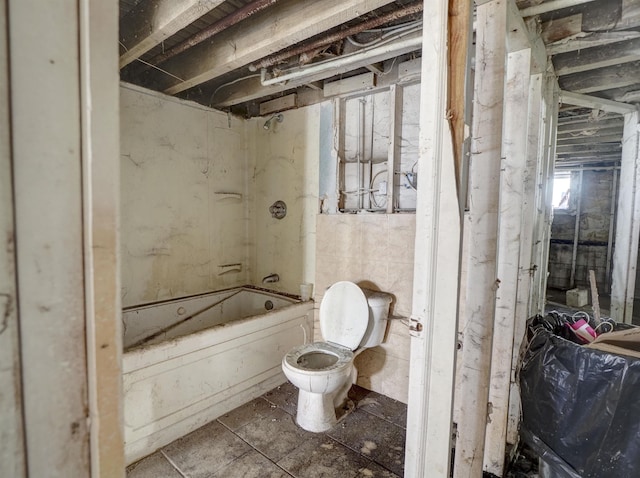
x=279 y=118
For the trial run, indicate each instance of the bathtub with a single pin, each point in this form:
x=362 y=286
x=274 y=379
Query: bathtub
x=188 y=361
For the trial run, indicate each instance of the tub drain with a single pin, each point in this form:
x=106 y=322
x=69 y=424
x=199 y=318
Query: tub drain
x=268 y=305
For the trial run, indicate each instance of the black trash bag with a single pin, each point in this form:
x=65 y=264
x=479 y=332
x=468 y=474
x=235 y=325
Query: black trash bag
x=580 y=407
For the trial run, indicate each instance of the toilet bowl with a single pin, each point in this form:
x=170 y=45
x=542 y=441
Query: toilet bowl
x=351 y=320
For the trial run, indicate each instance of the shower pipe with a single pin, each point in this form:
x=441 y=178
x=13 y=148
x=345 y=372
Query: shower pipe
x=337 y=36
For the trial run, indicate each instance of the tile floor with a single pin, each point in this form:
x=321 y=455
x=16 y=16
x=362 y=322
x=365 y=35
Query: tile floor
x=261 y=440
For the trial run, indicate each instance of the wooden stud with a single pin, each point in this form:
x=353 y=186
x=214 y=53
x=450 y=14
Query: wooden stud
x=101 y=192
x=514 y=176
x=482 y=230
x=436 y=279
x=628 y=224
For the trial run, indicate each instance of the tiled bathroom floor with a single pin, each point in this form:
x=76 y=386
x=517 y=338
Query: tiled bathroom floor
x=261 y=440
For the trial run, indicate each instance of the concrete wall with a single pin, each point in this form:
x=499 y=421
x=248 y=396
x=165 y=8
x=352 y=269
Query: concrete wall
x=595 y=217
x=177 y=227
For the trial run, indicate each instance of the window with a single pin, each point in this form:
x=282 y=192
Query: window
x=561 y=189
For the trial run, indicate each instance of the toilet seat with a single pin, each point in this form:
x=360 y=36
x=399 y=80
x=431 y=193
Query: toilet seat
x=344 y=314
x=343 y=355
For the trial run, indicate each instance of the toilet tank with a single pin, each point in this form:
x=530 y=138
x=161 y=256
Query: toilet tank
x=379 y=303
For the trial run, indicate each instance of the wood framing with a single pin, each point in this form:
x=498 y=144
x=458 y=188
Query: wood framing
x=481 y=228
x=286 y=23
x=625 y=256
x=100 y=96
x=65 y=156
x=514 y=186
x=152 y=21
x=436 y=272
x=587 y=101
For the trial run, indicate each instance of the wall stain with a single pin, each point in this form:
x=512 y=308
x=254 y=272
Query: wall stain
x=8 y=308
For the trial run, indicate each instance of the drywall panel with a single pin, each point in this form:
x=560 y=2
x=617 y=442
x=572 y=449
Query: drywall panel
x=183 y=198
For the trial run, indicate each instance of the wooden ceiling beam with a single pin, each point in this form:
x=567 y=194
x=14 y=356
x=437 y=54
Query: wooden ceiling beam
x=598 y=57
x=595 y=139
x=285 y=24
x=599 y=148
x=591 y=126
x=616 y=76
x=583 y=41
x=152 y=21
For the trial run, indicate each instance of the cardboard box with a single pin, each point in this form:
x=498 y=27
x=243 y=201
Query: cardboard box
x=622 y=342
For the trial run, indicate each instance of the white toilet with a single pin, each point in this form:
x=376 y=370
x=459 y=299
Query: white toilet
x=351 y=320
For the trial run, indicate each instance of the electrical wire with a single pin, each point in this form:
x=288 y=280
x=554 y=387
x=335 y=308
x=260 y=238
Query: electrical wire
x=233 y=82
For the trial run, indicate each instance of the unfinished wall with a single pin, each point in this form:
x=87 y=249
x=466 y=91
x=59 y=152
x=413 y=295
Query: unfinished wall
x=183 y=198
x=284 y=166
x=595 y=217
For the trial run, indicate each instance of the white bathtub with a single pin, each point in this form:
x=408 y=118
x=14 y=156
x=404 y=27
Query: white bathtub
x=180 y=374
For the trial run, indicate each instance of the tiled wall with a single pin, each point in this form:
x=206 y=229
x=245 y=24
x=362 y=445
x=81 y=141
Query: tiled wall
x=374 y=251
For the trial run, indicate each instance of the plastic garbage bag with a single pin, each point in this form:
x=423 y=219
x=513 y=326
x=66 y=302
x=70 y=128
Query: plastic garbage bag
x=580 y=407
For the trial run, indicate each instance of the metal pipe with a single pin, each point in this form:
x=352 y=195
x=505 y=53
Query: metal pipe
x=213 y=29
x=383 y=51
x=337 y=36
x=550 y=6
x=612 y=220
x=576 y=233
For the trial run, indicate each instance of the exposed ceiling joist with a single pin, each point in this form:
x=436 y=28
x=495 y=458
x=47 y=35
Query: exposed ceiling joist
x=610 y=125
x=589 y=148
x=152 y=21
x=549 y=6
x=283 y=25
x=595 y=103
x=597 y=57
x=583 y=41
x=616 y=76
x=574 y=140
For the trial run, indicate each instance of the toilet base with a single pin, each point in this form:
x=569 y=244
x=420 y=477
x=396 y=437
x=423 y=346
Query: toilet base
x=318 y=413
x=315 y=411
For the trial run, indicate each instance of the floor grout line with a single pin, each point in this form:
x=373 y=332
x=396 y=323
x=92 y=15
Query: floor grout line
x=177 y=468
x=253 y=447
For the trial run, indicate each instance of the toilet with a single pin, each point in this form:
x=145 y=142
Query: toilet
x=351 y=319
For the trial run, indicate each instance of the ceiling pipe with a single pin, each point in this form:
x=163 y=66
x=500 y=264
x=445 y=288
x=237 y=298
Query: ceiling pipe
x=337 y=36
x=409 y=41
x=213 y=29
x=550 y=6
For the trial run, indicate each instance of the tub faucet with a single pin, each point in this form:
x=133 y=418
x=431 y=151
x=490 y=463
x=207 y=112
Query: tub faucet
x=271 y=278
